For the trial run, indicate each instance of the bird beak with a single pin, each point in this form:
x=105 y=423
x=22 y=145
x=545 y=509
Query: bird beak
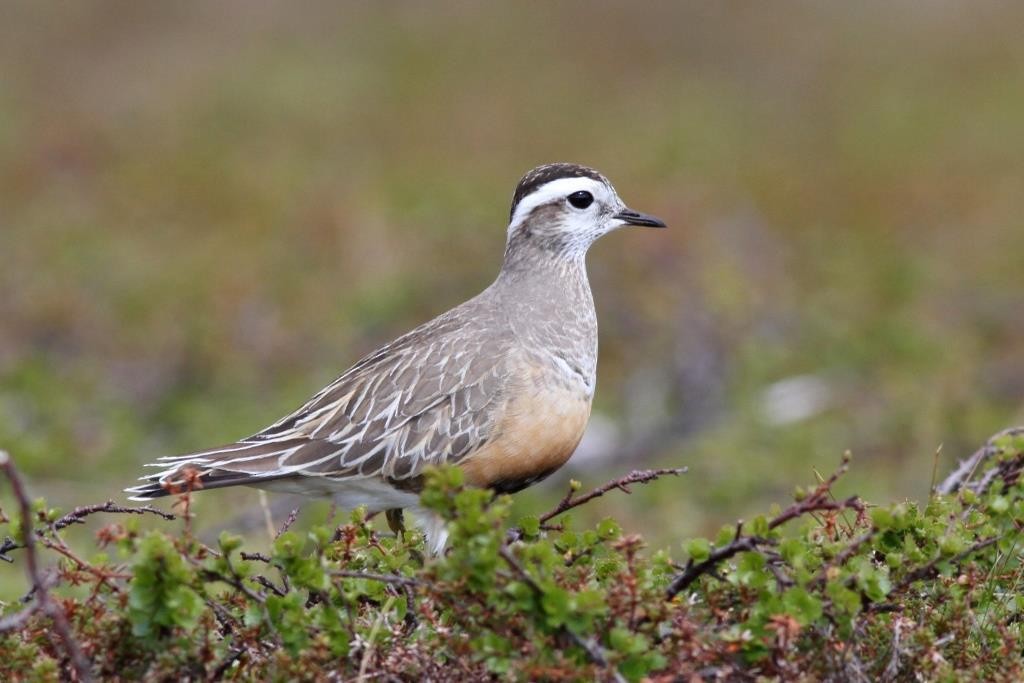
x=631 y=217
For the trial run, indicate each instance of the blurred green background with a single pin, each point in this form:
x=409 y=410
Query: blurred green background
x=209 y=210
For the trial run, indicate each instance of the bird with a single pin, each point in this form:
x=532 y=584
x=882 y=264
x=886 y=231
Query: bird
x=500 y=386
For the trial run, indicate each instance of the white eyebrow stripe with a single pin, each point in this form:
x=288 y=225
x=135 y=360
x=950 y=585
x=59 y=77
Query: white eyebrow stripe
x=556 y=189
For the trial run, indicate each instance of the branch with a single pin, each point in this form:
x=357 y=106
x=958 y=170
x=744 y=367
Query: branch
x=395 y=579
x=694 y=571
x=102 y=575
x=235 y=582
x=292 y=516
x=622 y=484
x=967 y=467
x=634 y=477
x=222 y=668
x=839 y=560
x=78 y=514
x=234 y=579
x=7 y=546
x=42 y=595
x=369 y=576
x=255 y=556
x=817 y=501
x=13 y=622
x=928 y=570
x=813 y=505
x=592 y=649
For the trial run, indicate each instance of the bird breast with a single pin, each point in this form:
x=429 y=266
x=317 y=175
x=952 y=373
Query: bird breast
x=537 y=428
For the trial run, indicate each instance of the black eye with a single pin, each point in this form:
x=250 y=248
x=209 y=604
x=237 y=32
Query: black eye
x=581 y=199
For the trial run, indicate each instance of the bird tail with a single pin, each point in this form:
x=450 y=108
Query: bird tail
x=237 y=464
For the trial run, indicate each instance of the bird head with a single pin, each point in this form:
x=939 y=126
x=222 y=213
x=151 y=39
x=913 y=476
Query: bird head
x=564 y=208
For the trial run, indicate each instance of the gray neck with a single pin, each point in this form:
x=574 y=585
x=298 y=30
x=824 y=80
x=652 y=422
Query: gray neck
x=550 y=307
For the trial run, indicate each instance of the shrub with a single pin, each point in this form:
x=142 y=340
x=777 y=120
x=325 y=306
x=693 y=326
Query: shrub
x=823 y=589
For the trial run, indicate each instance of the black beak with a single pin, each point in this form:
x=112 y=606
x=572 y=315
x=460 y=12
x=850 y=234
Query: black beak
x=631 y=217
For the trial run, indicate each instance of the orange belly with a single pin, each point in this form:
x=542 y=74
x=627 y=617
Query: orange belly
x=537 y=433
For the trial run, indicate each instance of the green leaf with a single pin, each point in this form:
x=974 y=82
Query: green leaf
x=699 y=549
x=793 y=551
x=882 y=518
x=608 y=529
x=750 y=570
x=759 y=526
x=555 y=602
x=229 y=542
x=951 y=544
x=626 y=642
x=999 y=505
x=842 y=597
x=530 y=526
x=873 y=581
x=801 y=605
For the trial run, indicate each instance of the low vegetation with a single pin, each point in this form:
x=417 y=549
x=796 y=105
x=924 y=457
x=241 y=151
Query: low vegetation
x=823 y=589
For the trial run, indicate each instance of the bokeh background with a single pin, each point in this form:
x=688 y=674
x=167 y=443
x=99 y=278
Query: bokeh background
x=208 y=210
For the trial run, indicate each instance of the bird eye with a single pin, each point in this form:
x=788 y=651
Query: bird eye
x=581 y=199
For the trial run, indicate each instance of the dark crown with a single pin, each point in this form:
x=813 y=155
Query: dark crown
x=545 y=174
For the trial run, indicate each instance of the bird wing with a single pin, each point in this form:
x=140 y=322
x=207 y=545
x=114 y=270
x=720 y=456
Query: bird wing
x=427 y=398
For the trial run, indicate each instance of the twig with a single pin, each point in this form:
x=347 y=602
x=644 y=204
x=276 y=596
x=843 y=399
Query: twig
x=694 y=571
x=839 y=560
x=224 y=618
x=269 y=585
x=385 y=578
x=967 y=467
x=794 y=511
x=927 y=570
x=234 y=581
x=42 y=595
x=622 y=484
x=255 y=556
x=15 y=621
x=892 y=669
x=268 y=519
x=364 y=662
x=846 y=458
x=104 y=577
x=7 y=546
x=411 y=622
x=78 y=514
x=292 y=516
x=223 y=667
x=634 y=477
x=935 y=471
x=191 y=481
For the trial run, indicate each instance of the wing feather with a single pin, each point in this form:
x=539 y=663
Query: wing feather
x=426 y=398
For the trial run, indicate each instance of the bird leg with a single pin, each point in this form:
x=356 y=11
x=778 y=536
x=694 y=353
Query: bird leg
x=396 y=521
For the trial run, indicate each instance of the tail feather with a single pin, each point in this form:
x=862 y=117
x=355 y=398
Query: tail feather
x=158 y=488
x=237 y=464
